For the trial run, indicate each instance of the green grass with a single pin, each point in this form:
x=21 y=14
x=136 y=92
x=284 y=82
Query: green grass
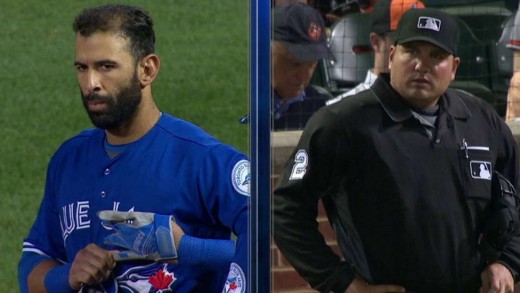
x=204 y=52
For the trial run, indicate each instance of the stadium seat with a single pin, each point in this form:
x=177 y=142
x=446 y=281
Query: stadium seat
x=467 y=3
x=502 y=65
x=322 y=79
x=349 y=41
x=473 y=53
x=484 y=21
x=473 y=74
x=502 y=55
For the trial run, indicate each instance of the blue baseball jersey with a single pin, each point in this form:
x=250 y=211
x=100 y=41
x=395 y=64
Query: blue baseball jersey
x=175 y=169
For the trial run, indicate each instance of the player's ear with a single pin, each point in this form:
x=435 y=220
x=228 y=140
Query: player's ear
x=376 y=42
x=148 y=68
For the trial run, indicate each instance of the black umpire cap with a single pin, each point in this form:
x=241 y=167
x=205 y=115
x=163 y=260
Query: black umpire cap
x=429 y=25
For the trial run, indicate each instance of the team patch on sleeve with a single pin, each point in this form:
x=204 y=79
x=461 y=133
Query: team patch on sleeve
x=241 y=177
x=236 y=281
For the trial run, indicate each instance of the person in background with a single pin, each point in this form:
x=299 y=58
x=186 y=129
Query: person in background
x=299 y=42
x=513 y=94
x=385 y=16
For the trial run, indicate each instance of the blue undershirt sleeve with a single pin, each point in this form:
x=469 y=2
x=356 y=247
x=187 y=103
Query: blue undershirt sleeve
x=56 y=280
x=213 y=254
x=27 y=263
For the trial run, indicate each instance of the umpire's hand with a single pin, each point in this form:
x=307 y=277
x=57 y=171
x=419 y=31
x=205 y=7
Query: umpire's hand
x=496 y=278
x=91 y=266
x=360 y=286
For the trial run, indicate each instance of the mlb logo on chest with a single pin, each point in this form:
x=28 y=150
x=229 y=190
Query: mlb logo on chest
x=429 y=23
x=480 y=170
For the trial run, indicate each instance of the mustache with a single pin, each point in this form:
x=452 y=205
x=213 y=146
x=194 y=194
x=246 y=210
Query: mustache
x=96 y=98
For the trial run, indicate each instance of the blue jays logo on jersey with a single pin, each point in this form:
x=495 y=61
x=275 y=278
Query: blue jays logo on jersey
x=236 y=281
x=241 y=177
x=153 y=278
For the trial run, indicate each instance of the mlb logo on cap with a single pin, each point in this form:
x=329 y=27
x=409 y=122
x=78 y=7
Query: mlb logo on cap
x=430 y=23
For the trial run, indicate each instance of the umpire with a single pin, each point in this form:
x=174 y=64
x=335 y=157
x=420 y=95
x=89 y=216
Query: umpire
x=407 y=172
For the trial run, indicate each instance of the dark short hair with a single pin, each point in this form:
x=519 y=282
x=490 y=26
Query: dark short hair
x=131 y=22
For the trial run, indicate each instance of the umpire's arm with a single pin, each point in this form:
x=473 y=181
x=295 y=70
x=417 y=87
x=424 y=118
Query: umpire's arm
x=309 y=172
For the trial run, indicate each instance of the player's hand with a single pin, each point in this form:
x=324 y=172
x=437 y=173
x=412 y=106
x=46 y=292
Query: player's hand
x=496 y=278
x=360 y=286
x=91 y=266
x=145 y=235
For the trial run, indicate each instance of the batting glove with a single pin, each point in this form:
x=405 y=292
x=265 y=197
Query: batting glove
x=145 y=235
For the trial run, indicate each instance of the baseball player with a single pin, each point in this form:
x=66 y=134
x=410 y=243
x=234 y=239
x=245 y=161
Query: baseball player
x=144 y=202
x=413 y=177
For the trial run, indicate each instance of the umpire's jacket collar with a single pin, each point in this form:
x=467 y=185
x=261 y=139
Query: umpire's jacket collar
x=399 y=110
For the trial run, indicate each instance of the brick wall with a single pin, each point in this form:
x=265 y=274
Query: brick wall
x=284 y=278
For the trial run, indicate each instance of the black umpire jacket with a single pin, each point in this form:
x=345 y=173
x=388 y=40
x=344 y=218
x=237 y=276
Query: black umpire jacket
x=407 y=208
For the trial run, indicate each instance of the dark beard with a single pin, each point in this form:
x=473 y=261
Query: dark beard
x=120 y=108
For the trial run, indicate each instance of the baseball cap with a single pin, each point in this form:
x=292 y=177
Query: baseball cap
x=302 y=29
x=387 y=13
x=429 y=25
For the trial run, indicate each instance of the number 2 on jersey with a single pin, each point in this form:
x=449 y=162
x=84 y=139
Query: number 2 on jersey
x=301 y=159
